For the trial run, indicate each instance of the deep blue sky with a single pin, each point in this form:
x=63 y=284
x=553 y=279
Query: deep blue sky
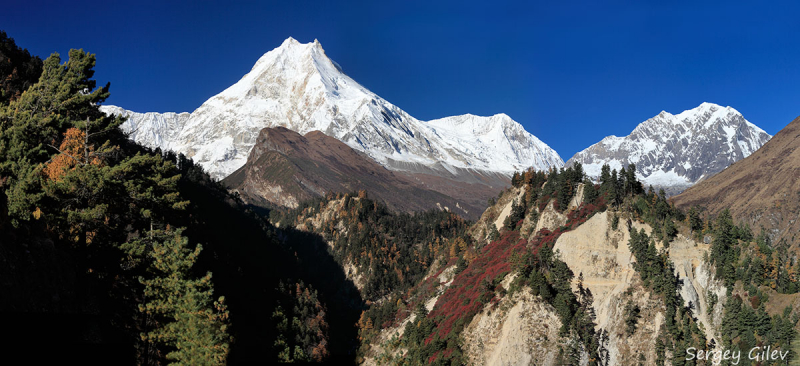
x=571 y=72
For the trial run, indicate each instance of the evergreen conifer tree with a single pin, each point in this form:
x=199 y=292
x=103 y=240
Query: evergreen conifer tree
x=589 y=192
x=193 y=325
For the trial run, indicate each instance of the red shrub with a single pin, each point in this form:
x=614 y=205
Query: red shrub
x=463 y=299
x=468 y=293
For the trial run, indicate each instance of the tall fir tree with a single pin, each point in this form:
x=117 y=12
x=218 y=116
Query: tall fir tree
x=193 y=325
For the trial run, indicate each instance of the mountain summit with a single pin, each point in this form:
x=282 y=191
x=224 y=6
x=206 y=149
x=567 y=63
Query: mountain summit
x=761 y=190
x=298 y=87
x=677 y=151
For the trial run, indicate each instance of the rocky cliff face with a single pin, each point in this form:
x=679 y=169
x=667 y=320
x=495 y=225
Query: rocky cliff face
x=601 y=254
x=331 y=212
x=677 y=151
x=523 y=330
x=493 y=217
x=520 y=329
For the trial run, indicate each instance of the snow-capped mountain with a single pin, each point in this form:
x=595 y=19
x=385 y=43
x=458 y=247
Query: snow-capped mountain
x=298 y=87
x=498 y=142
x=678 y=150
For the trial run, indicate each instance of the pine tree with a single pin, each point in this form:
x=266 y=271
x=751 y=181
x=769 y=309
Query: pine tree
x=193 y=324
x=695 y=223
x=632 y=315
x=61 y=162
x=517 y=213
x=64 y=97
x=589 y=192
x=564 y=190
x=613 y=191
x=516 y=179
x=722 y=251
x=578 y=169
x=670 y=231
x=634 y=186
x=605 y=175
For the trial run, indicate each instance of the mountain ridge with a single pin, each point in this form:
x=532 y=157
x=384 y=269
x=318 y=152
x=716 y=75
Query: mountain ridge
x=760 y=190
x=677 y=151
x=297 y=86
x=285 y=168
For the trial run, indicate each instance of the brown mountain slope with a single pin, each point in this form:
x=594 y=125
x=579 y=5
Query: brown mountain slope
x=285 y=168
x=762 y=190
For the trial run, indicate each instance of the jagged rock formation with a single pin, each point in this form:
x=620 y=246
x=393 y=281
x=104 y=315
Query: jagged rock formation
x=549 y=219
x=493 y=217
x=760 y=190
x=677 y=151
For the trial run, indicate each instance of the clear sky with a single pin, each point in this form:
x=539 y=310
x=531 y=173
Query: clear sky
x=571 y=72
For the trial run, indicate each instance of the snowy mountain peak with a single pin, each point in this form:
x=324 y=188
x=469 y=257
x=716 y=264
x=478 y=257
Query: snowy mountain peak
x=289 y=41
x=291 y=53
x=678 y=150
x=706 y=112
x=707 y=106
x=298 y=87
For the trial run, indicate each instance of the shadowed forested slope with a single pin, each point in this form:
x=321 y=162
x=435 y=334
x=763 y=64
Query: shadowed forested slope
x=115 y=253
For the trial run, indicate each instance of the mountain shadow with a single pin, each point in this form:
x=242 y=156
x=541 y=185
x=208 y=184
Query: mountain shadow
x=249 y=258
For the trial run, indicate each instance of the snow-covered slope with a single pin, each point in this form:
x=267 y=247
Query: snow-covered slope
x=150 y=129
x=678 y=150
x=497 y=142
x=298 y=87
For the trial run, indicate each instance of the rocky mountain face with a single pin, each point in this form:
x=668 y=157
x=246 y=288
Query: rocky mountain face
x=760 y=190
x=298 y=87
x=520 y=327
x=677 y=151
x=602 y=255
x=285 y=168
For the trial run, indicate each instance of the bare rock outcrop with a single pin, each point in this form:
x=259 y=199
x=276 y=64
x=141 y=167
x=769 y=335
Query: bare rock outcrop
x=698 y=281
x=495 y=215
x=549 y=219
x=520 y=330
x=600 y=254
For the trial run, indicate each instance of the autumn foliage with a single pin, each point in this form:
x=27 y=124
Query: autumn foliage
x=435 y=338
x=71 y=152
